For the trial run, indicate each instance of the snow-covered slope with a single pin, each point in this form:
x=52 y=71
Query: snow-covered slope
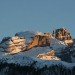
x=73 y=59
x=36 y=50
x=56 y=44
x=24 y=60
x=29 y=53
x=28 y=35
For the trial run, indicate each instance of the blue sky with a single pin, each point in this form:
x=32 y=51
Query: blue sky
x=36 y=15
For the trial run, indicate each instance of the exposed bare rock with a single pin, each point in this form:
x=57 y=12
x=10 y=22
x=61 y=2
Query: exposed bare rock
x=33 y=39
x=27 y=40
x=48 y=56
x=50 y=53
x=63 y=35
x=13 y=45
x=39 y=40
x=18 y=42
x=28 y=35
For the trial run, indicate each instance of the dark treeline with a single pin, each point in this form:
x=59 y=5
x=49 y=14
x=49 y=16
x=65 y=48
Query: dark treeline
x=13 y=69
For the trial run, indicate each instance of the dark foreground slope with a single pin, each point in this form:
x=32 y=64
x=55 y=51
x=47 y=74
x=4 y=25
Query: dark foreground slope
x=53 y=68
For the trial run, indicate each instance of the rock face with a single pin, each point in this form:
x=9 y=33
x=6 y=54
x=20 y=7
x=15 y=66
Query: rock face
x=27 y=40
x=20 y=42
x=35 y=39
x=48 y=56
x=14 y=44
x=39 y=40
x=63 y=35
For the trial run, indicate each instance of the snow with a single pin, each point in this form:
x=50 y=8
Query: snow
x=39 y=33
x=28 y=35
x=68 y=41
x=29 y=57
x=73 y=59
x=23 y=58
x=3 y=54
x=26 y=58
x=49 y=63
x=57 y=44
x=23 y=38
x=54 y=43
x=13 y=45
x=36 y=50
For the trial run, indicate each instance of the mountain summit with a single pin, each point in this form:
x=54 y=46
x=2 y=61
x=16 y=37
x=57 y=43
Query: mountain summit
x=63 y=34
x=33 y=52
x=23 y=41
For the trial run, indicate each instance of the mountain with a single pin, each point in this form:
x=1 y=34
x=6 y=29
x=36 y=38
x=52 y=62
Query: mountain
x=63 y=34
x=28 y=35
x=37 y=53
x=57 y=44
x=13 y=44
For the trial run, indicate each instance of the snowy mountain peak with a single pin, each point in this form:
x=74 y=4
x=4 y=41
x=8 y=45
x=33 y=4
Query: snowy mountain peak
x=38 y=50
x=26 y=40
x=63 y=34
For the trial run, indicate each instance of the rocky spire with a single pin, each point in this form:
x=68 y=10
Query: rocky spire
x=63 y=35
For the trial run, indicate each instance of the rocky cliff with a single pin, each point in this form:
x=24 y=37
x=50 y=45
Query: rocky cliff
x=27 y=40
x=45 y=54
x=63 y=35
x=39 y=40
x=24 y=41
x=12 y=44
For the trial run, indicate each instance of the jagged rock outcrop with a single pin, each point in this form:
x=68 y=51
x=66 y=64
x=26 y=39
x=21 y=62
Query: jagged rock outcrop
x=28 y=35
x=39 y=40
x=18 y=42
x=14 y=44
x=48 y=56
x=27 y=40
x=63 y=35
x=35 y=38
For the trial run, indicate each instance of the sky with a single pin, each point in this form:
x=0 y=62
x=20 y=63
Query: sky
x=36 y=15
